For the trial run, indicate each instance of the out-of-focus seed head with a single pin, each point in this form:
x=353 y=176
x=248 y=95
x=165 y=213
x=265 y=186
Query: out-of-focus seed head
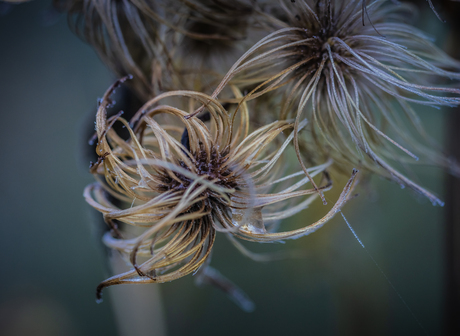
x=355 y=70
x=165 y=45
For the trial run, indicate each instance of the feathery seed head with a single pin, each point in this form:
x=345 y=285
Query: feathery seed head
x=354 y=69
x=161 y=42
x=181 y=186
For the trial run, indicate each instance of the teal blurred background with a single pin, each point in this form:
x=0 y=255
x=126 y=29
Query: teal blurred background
x=51 y=258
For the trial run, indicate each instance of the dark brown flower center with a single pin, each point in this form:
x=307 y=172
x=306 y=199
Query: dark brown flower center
x=318 y=31
x=211 y=166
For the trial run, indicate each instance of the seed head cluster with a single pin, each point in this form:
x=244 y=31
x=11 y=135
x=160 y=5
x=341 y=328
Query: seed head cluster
x=249 y=108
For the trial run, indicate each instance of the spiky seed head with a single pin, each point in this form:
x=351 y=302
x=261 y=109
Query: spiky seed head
x=355 y=70
x=180 y=187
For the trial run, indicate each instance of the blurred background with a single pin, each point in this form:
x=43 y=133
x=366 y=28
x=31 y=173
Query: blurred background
x=52 y=259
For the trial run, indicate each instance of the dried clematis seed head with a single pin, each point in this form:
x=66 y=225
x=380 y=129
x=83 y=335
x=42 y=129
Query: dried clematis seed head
x=182 y=179
x=355 y=70
x=166 y=45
